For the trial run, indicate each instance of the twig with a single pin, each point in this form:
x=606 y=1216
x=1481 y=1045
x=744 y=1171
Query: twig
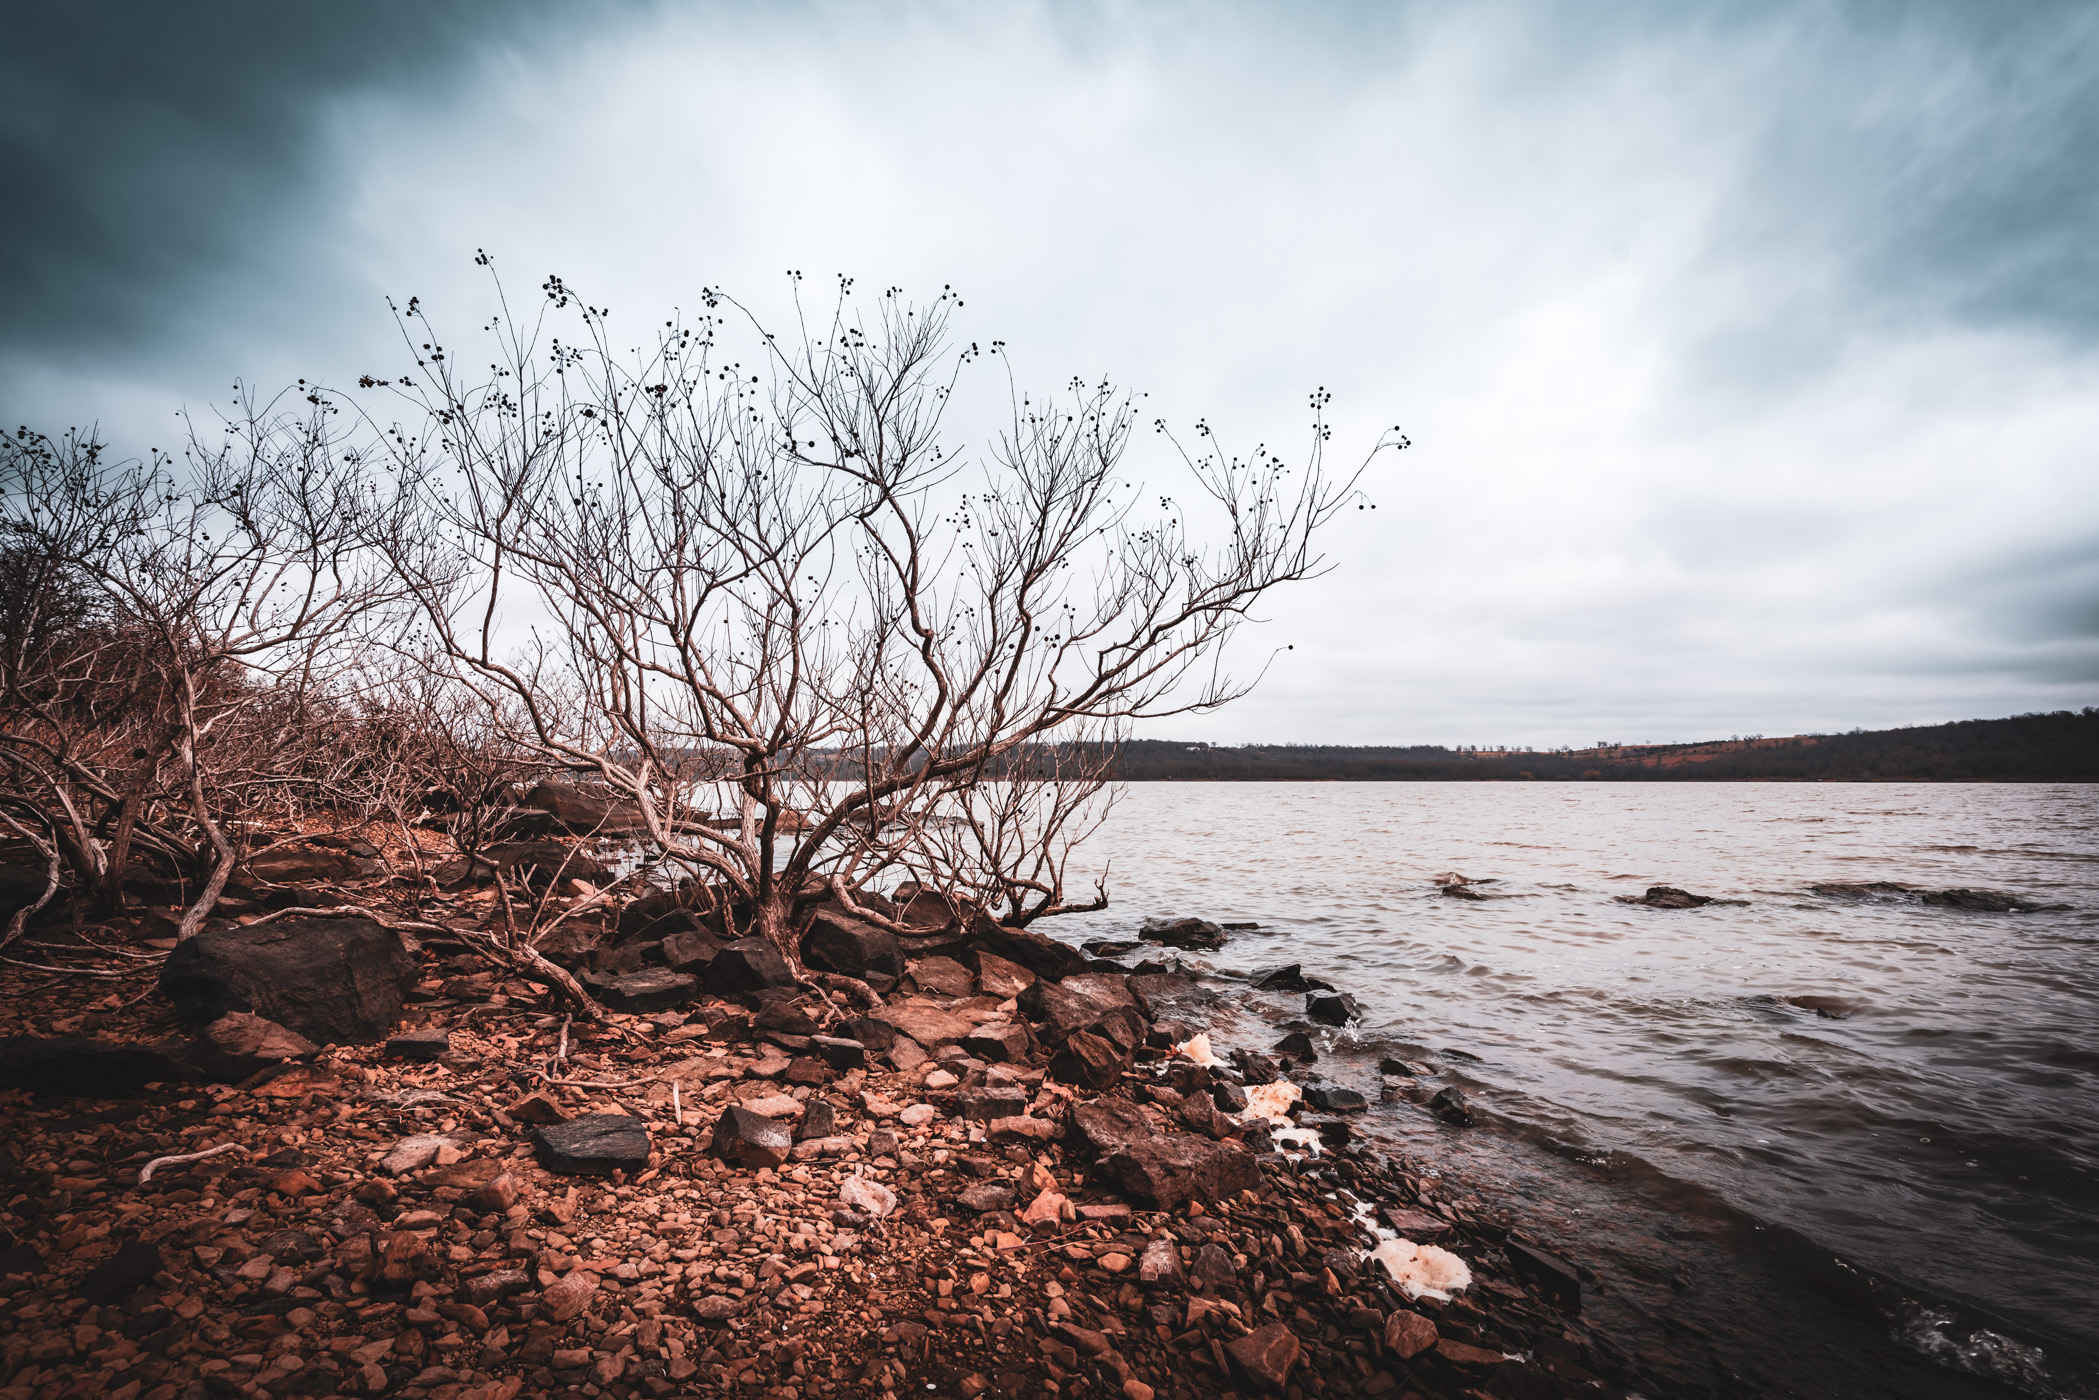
x=73 y=971
x=677 y=1108
x=146 y=1172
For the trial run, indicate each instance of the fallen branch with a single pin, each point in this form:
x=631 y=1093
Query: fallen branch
x=73 y=971
x=146 y=1172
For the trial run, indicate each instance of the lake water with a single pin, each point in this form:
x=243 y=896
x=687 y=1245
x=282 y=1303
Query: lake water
x=1806 y=1146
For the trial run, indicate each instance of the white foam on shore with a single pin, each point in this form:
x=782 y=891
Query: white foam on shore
x=1270 y=1101
x=1198 y=1049
x=1423 y=1270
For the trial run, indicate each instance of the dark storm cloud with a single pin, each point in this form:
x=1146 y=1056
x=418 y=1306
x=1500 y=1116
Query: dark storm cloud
x=145 y=147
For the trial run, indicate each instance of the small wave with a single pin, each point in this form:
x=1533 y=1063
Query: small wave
x=1978 y=1351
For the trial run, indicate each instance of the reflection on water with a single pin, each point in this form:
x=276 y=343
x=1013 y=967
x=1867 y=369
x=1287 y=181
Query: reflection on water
x=1883 y=1100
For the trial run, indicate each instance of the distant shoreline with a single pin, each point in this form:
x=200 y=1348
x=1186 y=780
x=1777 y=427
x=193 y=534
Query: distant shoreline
x=2062 y=747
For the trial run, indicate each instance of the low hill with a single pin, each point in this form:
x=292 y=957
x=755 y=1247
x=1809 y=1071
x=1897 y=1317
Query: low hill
x=2062 y=747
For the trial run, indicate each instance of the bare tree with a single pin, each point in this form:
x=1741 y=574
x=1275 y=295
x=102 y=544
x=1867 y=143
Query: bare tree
x=225 y=587
x=765 y=585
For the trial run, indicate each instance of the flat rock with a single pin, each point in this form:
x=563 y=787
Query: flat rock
x=419 y=1045
x=986 y=1196
x=89 y=1066
x=1408 y=1334
x=413 y=1153
x=242 y=1044
x=1038 y=953
x=1001 y=977
x=925 y=1023
x=944 y=976
x=651 y=989
x=1189 y=935
x=1266 y=1355
x=567 y=1297
x=1169 y=1170
x=748 y=965
x=871 y=1197
x=597 y=1144
x=1550 y=1274
x=836 y=942
x=992 y=1101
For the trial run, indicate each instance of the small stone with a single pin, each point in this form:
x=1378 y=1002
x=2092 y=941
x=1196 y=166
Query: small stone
x=819 y=1120
x=1160 y=1263
x=537 y=1109
x=999 y=1042
x=1408 y=1334
x=1266 y=1354
x=716 y=1309
x=1298 y=1046
x=486 y=1290
x=991 y=1102
x=859 y=1193
x=941 y=1079
x=1023 y=1127
x=498 y=1195
x=988 y=1196
x=1114 y=1263
x=838 y=1053
x=1214 y=1267
x=1449 y=1105
x=652 y=989
x=918 y=1115
x=420 y=1045
x=1046 y=1209
x=569 y=1295
x=750 y=1140
x=1134 y=1389
x=412 y=1153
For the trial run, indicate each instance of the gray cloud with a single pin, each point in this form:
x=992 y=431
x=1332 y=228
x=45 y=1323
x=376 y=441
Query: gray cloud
x=1749 y=349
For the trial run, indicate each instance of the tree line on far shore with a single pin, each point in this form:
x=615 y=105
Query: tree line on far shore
x=2059 y=747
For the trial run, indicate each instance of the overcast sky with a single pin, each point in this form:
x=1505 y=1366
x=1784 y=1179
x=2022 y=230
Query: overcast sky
x=1751 y=353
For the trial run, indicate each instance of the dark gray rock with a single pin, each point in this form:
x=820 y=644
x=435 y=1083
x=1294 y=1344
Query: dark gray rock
x=652 y=989
x=850 y=947
x=116 y=1278
x=785 y=1014
x=1289 y=977
x=874 y=1034
x=749 y=1139
x=1038 y=953
x=1256 y=1069
x=1332 y=1008
x=597 y=1144
x=999 y=1042
x=992 y=1101
x=1667 y=897
x=1332 y=1098
x=1088 y=1060
x=420 y=1045
x=1449 y=1105
x=1189 y=935
x=838 y=1053
x=1165 y=1171
x=333 y=981
x=688 y=950
x=566 y=807
x=1298 y=1046
x=748 y=965
x=1228 y=1097
x=819 y=1120
x=1076 y=1003
x=1550 y=1274
x=1111 y=947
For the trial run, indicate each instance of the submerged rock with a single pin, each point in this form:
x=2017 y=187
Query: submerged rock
x=1666 y=897
x=1189 y=935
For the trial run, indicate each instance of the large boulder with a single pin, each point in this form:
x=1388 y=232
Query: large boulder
x=1169 y=1170
x=1038 y=953
x=333 y=981
x=1067 y=1007
x=691 y=951
x=748 y=965
x=850 y=947
x=566 y=807
x=1089 y=1060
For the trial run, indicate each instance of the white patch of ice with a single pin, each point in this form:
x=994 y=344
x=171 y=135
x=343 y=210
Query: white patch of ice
x=1423 y=1270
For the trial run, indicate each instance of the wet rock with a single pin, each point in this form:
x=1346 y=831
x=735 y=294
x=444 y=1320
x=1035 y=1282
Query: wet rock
x=1169 y=1170
x=748 y=965
x=1332 y=1098
x=1228 y=1097
x=1332 y=1008
x=1408 y=1334
x=999 y=1042
x=597 y=1144
x=988 y=1196
x=1089 y=1060
x=1299 y=1047
x=419 y=1045
x=333 y=981
x=1667 y=897
x=1875 y=889
x=1000 y=977
x=1404 y=1068
x=1111 y=947
x=1415 y=1224
x=850 y=947
x=1979 y=901
x=1266 y=1355
x=1257 y=1069
x=1189 y=935
x=1449 y=1104
x=1548 y=1273
x=869 y=1197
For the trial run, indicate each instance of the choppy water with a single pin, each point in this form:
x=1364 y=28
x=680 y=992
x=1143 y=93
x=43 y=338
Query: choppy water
x=1808 y=1147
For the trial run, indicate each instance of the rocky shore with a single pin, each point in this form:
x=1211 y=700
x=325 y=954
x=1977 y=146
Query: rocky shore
x=323 y=1157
